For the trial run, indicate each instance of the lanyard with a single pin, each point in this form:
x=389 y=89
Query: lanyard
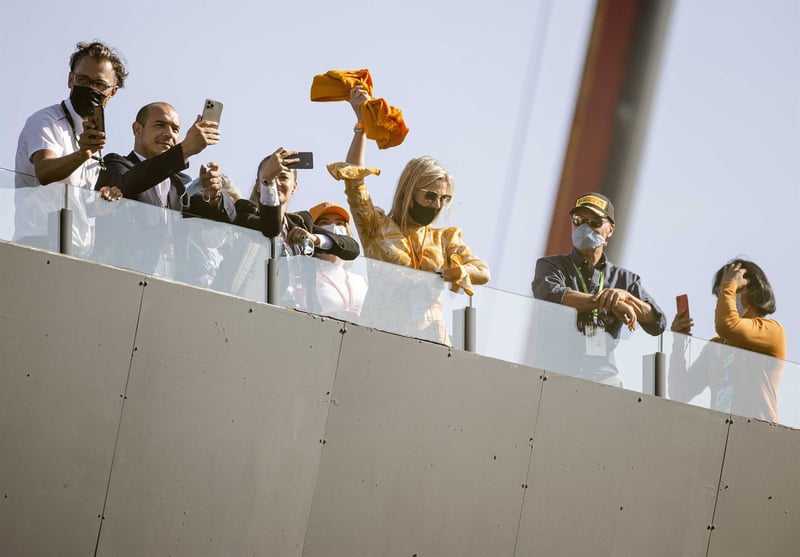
x=416 y=258
x=75 y=135
x=586 y=288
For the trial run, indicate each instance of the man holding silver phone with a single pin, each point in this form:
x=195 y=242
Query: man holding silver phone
x=153 y=173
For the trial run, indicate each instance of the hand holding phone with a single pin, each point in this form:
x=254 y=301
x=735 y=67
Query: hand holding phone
x=683 y=321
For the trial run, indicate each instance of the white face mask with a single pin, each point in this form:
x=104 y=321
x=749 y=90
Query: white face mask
x=335 y=228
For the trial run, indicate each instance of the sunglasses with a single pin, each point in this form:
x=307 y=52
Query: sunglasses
x=432 y=196
x=594 y=222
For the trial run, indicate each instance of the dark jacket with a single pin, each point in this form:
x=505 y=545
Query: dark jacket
x=139 y=236
x=267 y=220
x=137 y=180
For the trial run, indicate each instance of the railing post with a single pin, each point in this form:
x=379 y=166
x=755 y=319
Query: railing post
x=65 y=226
x=654 y=371
x=660 y=375
x=271 y=276
x=470 y=315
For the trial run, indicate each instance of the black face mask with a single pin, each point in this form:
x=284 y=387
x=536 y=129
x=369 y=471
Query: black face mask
x=84 y=98
x=423 y=215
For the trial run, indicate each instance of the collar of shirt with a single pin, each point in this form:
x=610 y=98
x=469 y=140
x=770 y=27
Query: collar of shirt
x=582 y=263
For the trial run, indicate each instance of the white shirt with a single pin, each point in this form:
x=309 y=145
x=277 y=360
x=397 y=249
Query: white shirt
x=49 y=129
x=36 y=207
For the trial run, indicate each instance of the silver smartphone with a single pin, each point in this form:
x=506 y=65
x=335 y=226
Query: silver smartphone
x=212 y=110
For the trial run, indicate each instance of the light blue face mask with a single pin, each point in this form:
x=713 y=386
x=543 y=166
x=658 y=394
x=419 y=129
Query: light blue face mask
x=193 y=188
x=585 y=237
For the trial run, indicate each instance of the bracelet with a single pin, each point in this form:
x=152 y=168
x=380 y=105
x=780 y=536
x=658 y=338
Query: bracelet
x=358 y=128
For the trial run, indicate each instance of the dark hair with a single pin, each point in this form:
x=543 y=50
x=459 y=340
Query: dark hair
x=759 y=289
x=100 y=51
x=144 y=112
x=254 y=193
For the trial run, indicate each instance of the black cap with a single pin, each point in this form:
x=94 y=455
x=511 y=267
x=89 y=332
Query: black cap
x=597 y=203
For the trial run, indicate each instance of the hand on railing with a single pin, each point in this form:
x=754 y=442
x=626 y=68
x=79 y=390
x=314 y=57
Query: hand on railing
x=110 y=193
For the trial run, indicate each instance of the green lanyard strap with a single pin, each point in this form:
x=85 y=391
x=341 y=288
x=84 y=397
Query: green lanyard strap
x=595 y=312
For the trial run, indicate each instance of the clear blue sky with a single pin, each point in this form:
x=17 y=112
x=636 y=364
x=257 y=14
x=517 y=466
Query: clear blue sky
x=719 y=177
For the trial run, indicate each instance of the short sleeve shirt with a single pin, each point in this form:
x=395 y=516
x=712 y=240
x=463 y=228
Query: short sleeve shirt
x=50 y=129
x=35 y=207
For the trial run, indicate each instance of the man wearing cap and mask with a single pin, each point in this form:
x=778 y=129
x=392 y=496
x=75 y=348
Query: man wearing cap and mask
x=60 y=144
x=605 y=296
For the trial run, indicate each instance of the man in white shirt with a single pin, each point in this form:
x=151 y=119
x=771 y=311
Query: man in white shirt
x=59 y=144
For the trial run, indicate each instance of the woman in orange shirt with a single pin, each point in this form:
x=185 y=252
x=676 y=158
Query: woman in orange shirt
x=742 y=365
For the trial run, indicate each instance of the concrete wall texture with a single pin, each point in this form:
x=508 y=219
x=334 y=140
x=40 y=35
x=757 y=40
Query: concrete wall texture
x=143 y=417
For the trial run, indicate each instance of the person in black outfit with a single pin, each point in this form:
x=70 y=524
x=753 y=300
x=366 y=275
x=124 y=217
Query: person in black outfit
x=241 y=271
x=275 y=185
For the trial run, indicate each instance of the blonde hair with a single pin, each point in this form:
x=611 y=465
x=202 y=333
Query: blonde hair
x=419 y=173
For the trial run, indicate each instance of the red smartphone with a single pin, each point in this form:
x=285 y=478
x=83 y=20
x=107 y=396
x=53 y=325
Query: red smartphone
x=682 y=302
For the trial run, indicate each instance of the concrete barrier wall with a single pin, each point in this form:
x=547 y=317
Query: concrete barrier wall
x=143 y=417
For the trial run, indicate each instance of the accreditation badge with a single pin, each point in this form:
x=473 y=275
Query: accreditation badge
x=595 y=339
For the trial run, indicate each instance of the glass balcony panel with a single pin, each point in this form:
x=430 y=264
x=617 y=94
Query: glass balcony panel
x=732 y=380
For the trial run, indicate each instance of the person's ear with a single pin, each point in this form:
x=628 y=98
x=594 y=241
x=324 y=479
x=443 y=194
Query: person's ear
x=70 y=80
x=611 y=231
x=137 y=129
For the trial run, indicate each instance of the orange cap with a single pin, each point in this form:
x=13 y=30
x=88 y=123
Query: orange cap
x=328 y=207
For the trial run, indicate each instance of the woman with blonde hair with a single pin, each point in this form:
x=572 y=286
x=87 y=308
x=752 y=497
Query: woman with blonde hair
x=405 y=237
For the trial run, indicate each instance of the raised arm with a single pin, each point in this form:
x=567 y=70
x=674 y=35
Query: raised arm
x=758 y=334
x=355 y=154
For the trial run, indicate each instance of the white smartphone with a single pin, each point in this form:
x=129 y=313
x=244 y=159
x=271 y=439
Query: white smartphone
x=212 y=110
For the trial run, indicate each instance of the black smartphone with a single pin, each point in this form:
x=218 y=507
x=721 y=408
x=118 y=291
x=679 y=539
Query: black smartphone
x=98 y=116
x=306 y=160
